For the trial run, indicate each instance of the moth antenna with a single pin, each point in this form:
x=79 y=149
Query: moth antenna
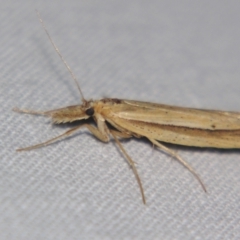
x=60 y=55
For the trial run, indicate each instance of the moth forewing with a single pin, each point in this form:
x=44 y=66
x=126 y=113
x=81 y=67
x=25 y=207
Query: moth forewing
x=201 y=128
x=178 y=116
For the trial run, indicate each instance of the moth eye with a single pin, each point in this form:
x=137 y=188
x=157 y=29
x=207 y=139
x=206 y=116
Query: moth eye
x=90 y=112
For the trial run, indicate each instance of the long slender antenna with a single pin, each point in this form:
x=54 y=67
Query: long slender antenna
x=60 y=55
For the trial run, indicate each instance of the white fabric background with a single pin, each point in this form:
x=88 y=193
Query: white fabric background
x=176 y=52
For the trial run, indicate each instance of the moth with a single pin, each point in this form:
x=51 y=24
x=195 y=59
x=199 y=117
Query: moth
x=158 y=123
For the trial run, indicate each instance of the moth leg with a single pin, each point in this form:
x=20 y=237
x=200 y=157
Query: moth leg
x=121 y=134
x=130 y=162
x=29 y=111
x=92 y=129
x=176 y=156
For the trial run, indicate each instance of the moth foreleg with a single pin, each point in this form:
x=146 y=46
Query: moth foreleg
x=92 y=129
x=121 y=134
x=66 y=134
x=176 y=156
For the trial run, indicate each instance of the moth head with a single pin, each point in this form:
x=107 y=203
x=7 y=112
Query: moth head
x=70 y=114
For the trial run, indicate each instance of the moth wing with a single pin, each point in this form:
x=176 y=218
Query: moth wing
x=176 y=116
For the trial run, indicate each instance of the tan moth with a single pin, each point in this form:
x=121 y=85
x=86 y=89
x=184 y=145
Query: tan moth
x=156 y=122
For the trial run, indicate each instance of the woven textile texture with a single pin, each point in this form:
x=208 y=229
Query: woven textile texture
x=183 y=53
